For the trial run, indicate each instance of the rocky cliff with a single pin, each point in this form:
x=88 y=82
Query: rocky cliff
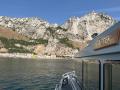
x=62 y=40
x=89 y=24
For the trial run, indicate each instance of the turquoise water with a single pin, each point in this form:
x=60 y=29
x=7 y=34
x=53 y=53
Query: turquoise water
x=20 y=74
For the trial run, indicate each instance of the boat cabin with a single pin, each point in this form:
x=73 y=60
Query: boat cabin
x=100 y=61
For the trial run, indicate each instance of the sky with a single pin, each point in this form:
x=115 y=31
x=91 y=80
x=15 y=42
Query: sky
x=58 y=11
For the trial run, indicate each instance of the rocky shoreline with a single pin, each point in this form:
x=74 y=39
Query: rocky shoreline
x=29 y=56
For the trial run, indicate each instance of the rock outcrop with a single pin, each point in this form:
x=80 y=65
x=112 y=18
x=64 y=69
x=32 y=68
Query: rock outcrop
x=31 y=27
x=89 y=24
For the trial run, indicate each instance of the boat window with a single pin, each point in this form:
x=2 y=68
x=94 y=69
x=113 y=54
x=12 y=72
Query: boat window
x=65 y=81
x=78 y=69
x=66 y=85
x=91 y=75
x=112 y=75
x=107 y=76
x=116 y=76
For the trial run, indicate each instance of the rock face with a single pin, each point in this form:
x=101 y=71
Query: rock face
x=64 y=40
x=39 y=49
x=89 y=24
x=3 y=50
x=31 y=27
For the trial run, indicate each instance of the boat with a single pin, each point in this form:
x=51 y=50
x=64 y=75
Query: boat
x=69 y=81
x=100 y=61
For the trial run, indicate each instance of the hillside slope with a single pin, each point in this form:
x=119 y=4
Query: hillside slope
x=10 y=34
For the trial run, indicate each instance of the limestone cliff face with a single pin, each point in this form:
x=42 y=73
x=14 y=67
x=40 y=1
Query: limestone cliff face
x=63 y=40
x=89 y=24
x=31 y=27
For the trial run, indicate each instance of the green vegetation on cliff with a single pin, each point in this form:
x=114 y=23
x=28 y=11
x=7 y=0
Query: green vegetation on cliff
x=12 y=48
x=66 y=41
